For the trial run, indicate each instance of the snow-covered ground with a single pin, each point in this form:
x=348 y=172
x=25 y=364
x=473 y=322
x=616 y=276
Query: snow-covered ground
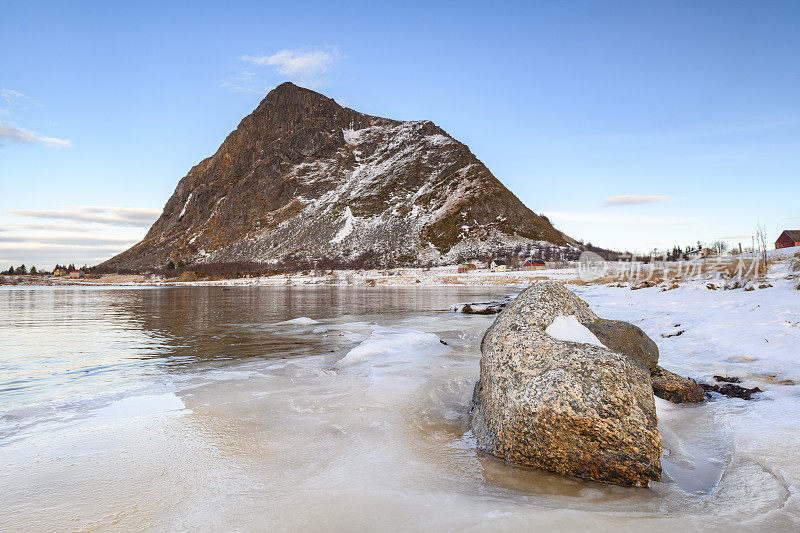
x=754 y=335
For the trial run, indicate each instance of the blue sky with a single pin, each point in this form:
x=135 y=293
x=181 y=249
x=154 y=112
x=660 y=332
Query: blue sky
x=691 y=108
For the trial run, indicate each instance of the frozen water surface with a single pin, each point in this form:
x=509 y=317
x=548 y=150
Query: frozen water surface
x=340 y=409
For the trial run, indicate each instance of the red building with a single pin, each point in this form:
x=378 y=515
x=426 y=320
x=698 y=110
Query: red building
x=789 y=238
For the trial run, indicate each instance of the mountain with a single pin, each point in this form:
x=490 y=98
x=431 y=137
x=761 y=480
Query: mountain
x=302 y=177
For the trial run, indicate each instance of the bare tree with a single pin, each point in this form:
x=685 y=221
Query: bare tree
x=719 y=247
x=761 y=244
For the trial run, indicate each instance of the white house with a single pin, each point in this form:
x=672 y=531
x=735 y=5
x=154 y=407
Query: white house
x=498 y=266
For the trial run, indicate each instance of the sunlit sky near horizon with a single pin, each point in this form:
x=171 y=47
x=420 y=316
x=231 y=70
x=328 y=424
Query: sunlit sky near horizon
x=631 y=125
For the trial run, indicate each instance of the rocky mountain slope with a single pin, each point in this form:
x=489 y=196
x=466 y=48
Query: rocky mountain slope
x=303 y=177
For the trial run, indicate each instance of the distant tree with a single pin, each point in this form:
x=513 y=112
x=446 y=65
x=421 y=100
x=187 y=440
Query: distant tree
x=10 y=271
x=181 y=264
x=21 y=270
x=33 y=271
x=719 y=247
x=170 y=265
x=71 y=267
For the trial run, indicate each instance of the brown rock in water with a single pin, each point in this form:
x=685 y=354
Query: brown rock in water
x=675 y=388
x=480 y=308
x=572 y=408
x=626 y=339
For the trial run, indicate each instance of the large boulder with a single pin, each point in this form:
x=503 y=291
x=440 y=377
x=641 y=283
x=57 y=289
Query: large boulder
x=576 y=409
x=626 y=339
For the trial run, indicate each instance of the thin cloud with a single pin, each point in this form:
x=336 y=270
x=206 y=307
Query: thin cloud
x=37 y=226
x=303 y=65
x=635 y=199
x=296 y=63
x=66 y=240
x=10 y=95
x=737 y=236
x=21 y=135
x=608 y=218
x=117 y=216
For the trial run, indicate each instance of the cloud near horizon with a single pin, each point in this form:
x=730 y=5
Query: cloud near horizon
x=65 y=240
x=21 y=135
x=635 y=199
x=616 y=218
x=117 y=216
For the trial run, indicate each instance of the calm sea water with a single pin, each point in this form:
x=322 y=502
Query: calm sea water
x=285 y=408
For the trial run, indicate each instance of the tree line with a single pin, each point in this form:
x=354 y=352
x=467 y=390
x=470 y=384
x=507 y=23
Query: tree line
x=22 y=270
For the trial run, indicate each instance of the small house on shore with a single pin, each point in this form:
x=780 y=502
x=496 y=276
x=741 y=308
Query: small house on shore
x=787 y=239
x=466 y=267
x=701 y=253
x=76 y=274
x=498 y=265
x=60 y=271
x=533 y=264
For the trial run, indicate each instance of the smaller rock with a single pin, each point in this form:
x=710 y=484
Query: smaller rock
x=626 y=339
x=480 y=308
x=675 y=388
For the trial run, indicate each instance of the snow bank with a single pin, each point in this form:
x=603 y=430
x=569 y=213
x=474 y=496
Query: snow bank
x=390 y=343
x=567 y=328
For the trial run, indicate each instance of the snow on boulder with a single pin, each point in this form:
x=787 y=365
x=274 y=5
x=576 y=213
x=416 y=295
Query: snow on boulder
x=567 y=328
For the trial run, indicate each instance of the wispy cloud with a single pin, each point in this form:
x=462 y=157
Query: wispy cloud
x=36 y=226
x=635 y=199
x=65 y=240
x=10 y=95
x=117 y=216
x=21 y=135
x=616 y=218
x=303 y=65
x=297 y=63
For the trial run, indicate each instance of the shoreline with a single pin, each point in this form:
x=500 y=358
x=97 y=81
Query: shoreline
x=438 y=277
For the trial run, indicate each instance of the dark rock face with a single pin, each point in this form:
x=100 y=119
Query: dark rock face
x=626 y=339
x=675 y=388
x=575 y=409
x=304 y=177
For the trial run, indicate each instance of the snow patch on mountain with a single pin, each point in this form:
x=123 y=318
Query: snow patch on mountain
x=347 y=229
